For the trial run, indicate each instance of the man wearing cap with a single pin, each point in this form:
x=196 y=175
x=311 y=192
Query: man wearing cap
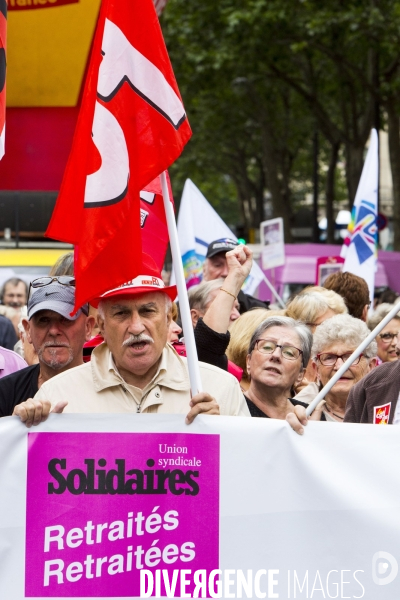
x=135 y=370
x=56 y=336
x=215 y=266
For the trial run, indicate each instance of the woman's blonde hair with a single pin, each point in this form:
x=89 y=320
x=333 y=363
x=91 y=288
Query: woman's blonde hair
x=241 y=331
x=313 y=302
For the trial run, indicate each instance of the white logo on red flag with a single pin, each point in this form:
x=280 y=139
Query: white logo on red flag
x=140 y=141
x=143 y=216
x=110 y=183
x=123 y=63
x=148 y=197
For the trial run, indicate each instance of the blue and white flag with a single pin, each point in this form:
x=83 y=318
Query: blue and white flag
x=198 y=226
x=360 y=246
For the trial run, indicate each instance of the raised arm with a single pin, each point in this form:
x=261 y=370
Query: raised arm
x=239 y=262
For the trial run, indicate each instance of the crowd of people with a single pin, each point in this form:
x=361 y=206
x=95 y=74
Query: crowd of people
x=124 y=352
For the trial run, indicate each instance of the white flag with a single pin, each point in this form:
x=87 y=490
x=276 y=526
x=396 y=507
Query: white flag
x=199 y=225
x=360 y=247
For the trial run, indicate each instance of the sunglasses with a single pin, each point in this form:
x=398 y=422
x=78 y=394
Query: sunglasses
x=43 y=281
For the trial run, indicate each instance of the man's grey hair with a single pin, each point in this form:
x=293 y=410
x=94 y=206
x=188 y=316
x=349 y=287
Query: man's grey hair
x=199 y=295
x=345 y=329
x=303 y=332
x=380 y=313
x=100 y=308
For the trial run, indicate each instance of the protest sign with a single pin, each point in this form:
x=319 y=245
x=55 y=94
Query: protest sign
x=231 y=506
x=273 y=243
x=327 y=265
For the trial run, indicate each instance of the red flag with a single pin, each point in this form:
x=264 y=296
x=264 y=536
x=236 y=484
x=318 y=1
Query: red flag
x=132 y=125
x=3 y=63
x=153 y=221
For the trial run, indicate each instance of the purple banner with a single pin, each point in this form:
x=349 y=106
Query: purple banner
x=102 y=507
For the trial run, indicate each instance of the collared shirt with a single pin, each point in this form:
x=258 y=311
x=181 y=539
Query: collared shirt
x=138 y=394
x=97 y=387
x=10 y=362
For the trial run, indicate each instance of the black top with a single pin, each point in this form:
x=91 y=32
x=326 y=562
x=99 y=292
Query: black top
x=211 y=345
x=8 y=337
x=248 y=302
x=17 y=388
x=256 y=412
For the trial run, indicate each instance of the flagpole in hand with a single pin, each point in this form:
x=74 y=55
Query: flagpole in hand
x=191 y=350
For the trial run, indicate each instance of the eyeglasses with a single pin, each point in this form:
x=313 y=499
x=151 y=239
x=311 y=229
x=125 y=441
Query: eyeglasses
x=387 y=337
x=269 y=347
x=43 y=281
x=329 y=360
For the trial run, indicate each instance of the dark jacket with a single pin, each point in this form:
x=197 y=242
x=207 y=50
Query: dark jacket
x=211 y=347
x=375 y=395
x=8 y=337
x=248 y=302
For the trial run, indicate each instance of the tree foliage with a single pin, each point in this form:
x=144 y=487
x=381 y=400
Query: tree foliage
x=259 y=77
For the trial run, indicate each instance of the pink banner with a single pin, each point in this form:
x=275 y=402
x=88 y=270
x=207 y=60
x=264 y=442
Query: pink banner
x=102 y=507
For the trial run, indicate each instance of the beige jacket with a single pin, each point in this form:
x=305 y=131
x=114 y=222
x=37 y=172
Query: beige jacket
x=97 y=387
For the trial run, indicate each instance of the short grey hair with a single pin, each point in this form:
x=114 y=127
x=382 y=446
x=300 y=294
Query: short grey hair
x=380 y=313
x=199 y=295
x=303 y=332
x=345 y=329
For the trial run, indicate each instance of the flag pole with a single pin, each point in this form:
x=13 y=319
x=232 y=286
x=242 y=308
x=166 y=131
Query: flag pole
x=273 y=290
x=191 y=350
x=321 y=395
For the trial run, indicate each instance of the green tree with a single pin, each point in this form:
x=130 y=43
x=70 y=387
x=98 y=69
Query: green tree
x=259 y=77
x=247 y=125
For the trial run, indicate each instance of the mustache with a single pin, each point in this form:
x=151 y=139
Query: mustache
x=135 y=339
x=60 y=344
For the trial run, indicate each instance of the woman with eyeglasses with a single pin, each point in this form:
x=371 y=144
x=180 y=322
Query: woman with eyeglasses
x=279 y=351
x=388 y=337
x=334 y=341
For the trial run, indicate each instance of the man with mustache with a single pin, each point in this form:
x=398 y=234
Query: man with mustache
x=135 y=370
x=56 y=336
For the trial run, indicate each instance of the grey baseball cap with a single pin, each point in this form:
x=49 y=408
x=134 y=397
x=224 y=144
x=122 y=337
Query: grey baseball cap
x=57 y=297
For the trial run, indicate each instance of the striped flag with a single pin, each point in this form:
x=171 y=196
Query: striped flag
x=360 y=247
